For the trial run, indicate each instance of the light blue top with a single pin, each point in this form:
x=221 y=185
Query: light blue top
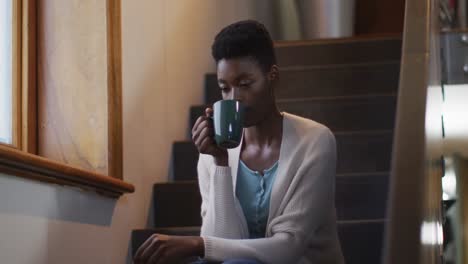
x=253 y=192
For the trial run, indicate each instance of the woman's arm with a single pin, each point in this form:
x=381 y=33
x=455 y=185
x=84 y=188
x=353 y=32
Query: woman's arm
x=219 y=212
x=214 y=176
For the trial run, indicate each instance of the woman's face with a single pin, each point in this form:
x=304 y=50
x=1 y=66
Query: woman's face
x=243 y=79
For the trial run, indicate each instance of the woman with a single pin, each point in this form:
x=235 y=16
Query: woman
x=270 y=200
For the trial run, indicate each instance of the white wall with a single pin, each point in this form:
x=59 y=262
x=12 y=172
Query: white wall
x=166 y=51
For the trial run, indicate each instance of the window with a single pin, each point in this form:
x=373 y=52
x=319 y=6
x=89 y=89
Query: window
x=27 y=34
x=6 y=76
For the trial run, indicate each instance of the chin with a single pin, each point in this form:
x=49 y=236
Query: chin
x=250 y=118
x=248 y=123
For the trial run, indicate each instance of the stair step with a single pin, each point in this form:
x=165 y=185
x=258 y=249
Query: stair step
x=361 y=241
x=361 y=196
x=326 y=81
x=176 y=204
x=338 y=51
x=358 y=196
x=366 y=151
x=184 y=161
x=338 y=113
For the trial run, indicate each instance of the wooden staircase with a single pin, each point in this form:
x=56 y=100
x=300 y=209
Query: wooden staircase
x=349 y=85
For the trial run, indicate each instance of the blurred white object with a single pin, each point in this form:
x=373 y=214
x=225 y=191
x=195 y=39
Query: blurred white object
x=326 y=18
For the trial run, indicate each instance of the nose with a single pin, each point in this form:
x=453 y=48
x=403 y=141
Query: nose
x=237 y=94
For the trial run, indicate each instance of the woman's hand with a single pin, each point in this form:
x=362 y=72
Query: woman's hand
x=164 y=249
x=202 y=136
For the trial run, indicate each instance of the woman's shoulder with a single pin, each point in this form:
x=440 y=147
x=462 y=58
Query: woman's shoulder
x=305 y=129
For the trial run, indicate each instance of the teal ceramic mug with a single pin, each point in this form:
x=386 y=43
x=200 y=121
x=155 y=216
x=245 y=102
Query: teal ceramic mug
x=228 y=120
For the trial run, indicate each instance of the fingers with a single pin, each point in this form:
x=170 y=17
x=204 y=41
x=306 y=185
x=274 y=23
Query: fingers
x=145 y=251
x=157 y=256
x=203 y=133
x=197 y=123
x=203 y=125
x=209 y=112
x=150 y=250
x=207 y=132
x=206 y=144
x=142 y=248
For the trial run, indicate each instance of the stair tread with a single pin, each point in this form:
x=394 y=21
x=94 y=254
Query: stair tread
x=337 y=113
x=333 y=80
x=176 y=205
x=341 y=50
x=338 y=175
x=174 y=229
x=361 y=240
x=170 y=229
x=391 y=37
x=357 y=197
x=340 y=66
x=372 y=147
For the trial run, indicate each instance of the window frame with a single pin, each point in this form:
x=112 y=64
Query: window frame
x=20 y=158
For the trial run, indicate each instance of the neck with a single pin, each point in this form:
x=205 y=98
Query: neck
x=267 y=132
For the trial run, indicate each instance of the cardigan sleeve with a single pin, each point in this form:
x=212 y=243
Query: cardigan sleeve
x=308 y=210
x=220 y=217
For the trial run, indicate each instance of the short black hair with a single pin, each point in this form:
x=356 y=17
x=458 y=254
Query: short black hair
x=247 y=38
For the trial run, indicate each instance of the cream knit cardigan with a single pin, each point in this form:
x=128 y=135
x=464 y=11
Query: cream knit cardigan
x=301 y=225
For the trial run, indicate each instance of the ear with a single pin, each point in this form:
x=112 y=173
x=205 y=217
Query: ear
x=273 y=75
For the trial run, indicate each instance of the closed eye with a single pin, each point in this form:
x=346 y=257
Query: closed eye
x=224 y=89
x=246 y=83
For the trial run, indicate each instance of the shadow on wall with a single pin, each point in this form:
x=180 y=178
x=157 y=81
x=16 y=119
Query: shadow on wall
x=30 y=198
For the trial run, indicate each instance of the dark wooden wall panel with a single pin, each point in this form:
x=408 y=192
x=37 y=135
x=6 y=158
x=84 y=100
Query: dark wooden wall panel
x=379 y=16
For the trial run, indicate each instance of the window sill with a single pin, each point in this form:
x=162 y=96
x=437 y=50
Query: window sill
x=22 y=164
